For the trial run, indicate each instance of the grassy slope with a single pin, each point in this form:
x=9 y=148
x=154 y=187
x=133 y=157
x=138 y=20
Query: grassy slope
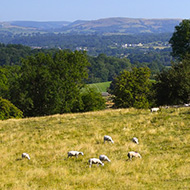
x=164 y=145
x=100 y=87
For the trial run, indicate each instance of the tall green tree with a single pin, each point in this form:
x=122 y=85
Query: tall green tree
x=180 y=41
x=51 y=84
x=69 y=71
x=131 y=88
x=173 y=85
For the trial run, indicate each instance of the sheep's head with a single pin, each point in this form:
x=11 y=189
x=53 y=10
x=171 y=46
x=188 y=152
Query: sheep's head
x=81 y=153
x=139 y=155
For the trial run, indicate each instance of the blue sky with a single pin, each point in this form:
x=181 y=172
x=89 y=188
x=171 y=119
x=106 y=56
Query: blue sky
x=72 y=10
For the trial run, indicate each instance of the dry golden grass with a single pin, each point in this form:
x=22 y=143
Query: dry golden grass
x=164 y=145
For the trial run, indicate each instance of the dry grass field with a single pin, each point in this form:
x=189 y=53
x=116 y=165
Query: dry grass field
x=164 y=143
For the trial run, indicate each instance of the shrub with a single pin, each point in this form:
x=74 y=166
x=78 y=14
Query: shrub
x=8 y=110
x=92 y=100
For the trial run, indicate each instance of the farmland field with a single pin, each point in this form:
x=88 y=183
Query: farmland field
x=100 y=87
x=163 y=143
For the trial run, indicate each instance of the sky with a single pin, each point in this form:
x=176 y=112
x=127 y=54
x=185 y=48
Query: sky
x=72 y=10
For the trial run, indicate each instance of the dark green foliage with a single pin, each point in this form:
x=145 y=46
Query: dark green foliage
x=92 y=100
x=180 y=41
x=8 y=78
x=104 y=68
x=173 y=85
x=131 y=88
x=155 y=60
x=48 y=85
x=3 y=82
x=8 y=110
x=96 y=44
x=11 y=54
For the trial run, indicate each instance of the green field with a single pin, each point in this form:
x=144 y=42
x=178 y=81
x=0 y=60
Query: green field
x=100 y=87
x=163 y=143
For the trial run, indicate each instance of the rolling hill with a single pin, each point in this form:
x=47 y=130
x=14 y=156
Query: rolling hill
x=101 y=26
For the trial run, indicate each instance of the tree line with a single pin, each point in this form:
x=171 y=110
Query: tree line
x=47 y=84
x=102 y=68
x=50 y=83
x=171 y=87
x=96 y=43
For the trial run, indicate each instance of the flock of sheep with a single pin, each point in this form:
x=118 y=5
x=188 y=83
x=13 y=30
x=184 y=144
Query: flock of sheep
x=102 y=158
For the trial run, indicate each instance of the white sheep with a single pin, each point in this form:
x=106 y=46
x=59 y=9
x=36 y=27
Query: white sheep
x=154 y=109
x=133 y=154
x=135 y=140
x=95 y=161
x=25 y=155
x=108 y=138
x=104 y=158
x=74 y=153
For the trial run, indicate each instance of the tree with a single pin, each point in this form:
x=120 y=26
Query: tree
x=131 y=88
x=8 y=110
x=92 y=100
x=173 y=85
x=3 y=82
x=50 y=84
x=180 y=41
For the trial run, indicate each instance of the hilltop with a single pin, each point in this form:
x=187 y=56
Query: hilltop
x=100 y=26
x=163 y=143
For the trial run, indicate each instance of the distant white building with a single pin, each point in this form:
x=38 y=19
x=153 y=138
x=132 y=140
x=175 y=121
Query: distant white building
x=132 y=45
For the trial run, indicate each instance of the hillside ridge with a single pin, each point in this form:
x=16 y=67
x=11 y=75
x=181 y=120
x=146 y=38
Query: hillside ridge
x=100 y=26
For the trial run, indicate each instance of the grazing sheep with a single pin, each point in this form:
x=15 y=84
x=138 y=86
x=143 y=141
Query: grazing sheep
x=95 y=161
x=74 y=153
x=108 y=138
x=25 y=155
x=154 y=109
x=104 y=158
x=133 y=154
x=135 y=140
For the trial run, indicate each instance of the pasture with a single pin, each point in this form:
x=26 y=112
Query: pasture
x=100 y=87
x=163 y=144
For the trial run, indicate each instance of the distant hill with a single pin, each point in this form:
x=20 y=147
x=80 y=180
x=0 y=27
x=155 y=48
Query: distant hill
x=34 y=25
x=123 y=25
x=101 y=26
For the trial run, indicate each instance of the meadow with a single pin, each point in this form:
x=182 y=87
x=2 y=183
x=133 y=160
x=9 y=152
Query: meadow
x=100 y=87
x=163 y=143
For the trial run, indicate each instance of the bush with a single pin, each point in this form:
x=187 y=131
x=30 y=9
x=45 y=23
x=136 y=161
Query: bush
x=131 y=88
x=92 y=100
x=8 y=110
